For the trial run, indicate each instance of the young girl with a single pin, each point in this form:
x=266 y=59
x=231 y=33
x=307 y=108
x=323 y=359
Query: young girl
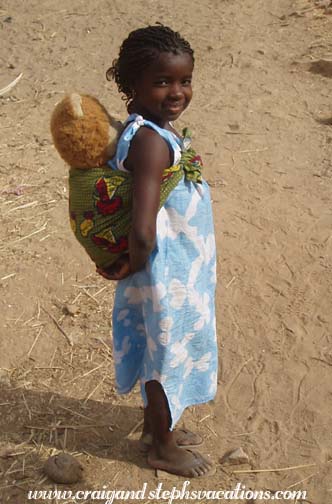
x=164 y=315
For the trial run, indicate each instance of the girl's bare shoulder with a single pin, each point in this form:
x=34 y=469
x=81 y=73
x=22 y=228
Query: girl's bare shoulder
x=148 y=147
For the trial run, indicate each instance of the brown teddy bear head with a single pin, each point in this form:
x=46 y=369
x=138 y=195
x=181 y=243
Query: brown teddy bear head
x=83 y=132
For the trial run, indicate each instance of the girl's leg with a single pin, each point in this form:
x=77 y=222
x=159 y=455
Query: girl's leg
x=182 y=436
x=165 y=454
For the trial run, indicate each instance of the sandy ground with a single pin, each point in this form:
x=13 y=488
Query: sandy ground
x=262 y=122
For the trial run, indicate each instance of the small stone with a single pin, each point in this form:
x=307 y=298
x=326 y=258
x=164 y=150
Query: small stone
x=322 y=67
x=63 y=468
x=70 y=309
x=234 y=126
x=235 y=457
x=4 y=378
x=327 y=121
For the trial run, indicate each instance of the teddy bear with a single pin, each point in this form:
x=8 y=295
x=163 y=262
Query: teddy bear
x=84 y=133
x=100 y=197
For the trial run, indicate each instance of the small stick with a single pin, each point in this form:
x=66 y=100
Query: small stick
x=26 y=405
x=27 y=321
x=13 y=454
x=230 y=282
x=35 y=341
x=52 y=359
x=11 y=85
x=48 y=367
x=100 y=290
x=77 y=297
x=19 y=318
x=20 y=470
x=278 y=291
x=28 y=481
x=8 y=276
x=105 y=345
x=253 y=150
x=90 y=296
x=204 y=418
x=14 y=463
x=26 y=205
x=279 y=469
x=29 y=235
x=134 y=429
x=94 y=390
x=230 y=385
x=213 y=432
x=115 y=479
x=58 y=326
x=65 y=439
x=45 y=237
x=41 y=481
x=88 y=286
x=37 y=324
x=243 y=434
x=75 y=412
x=65 y=426
x=302 y=481
x=87 y=373
x=71 y=358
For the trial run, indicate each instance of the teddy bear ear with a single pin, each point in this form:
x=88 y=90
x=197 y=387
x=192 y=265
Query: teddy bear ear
x=75 y=101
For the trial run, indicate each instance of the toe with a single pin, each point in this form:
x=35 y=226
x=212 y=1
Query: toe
x=195 y=473
x=200 y=471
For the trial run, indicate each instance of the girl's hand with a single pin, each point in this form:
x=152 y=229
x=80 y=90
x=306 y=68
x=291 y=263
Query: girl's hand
x=118 y=271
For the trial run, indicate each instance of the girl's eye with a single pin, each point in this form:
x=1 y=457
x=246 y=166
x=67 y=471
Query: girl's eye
x=186 y=82
x=161 y=82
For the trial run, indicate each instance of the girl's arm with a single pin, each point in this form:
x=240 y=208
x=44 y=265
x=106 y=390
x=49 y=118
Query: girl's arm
x=148 y=156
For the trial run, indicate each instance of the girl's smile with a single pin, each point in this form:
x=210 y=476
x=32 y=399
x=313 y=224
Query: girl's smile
x=164 y=90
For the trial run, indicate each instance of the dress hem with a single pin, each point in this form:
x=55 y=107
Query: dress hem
x=187 y=404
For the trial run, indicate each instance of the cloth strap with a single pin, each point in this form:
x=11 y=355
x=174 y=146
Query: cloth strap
x=100 y=203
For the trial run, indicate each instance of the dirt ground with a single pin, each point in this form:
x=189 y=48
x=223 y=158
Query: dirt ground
x=262 y=121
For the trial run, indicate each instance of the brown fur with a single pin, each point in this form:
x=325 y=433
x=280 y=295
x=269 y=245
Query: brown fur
x=84 y=134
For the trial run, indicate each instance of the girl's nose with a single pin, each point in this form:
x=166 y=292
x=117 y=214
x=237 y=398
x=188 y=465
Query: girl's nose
x=175 y=91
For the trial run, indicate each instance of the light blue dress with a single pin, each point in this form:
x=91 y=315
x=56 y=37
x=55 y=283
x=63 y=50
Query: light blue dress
x=164 y=316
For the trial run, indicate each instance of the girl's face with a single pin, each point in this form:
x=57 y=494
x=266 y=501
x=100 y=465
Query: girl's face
x=164 y=90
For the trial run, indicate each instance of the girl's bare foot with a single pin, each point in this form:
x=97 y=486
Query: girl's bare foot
x=183 y=462
x=165 y=453
x=182 y=437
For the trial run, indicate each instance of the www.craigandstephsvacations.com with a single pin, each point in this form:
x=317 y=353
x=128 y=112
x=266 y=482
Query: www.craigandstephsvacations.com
x=239 y=492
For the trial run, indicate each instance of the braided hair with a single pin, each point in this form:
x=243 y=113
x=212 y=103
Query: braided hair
x=139 y=50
